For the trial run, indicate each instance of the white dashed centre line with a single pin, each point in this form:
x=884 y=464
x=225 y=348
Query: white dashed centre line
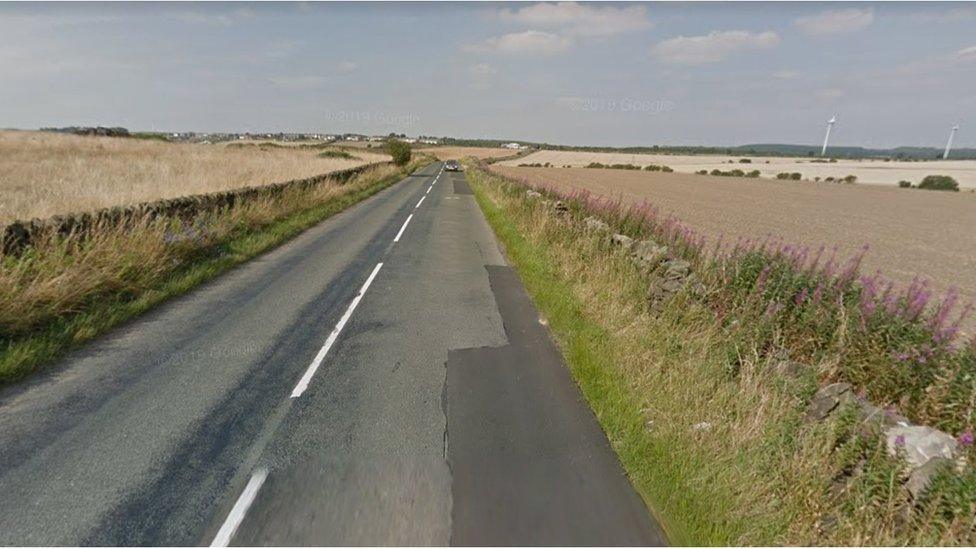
x=236 y=516
x=403 y=228
x=307 y=378
x=421 y=201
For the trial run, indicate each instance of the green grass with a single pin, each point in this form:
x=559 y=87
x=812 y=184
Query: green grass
x=21 y=356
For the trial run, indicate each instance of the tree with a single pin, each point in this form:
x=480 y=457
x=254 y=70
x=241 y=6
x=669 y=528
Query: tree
x=399 y=150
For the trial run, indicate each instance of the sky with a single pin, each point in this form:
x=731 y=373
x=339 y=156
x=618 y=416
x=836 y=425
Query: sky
x=607 y=74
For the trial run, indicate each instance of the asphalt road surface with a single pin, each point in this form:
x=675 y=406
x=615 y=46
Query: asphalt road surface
x=381 y=379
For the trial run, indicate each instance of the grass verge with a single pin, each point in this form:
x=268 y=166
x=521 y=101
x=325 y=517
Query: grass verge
x=708 y=433
x=63 y=292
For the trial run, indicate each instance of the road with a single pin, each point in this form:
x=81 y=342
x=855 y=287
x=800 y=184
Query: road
x=381 y=379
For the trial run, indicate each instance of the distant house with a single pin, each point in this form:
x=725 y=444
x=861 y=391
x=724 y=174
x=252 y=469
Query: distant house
x=512 y=146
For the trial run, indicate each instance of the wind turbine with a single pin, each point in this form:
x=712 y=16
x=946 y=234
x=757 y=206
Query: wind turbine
x=830 y=126
x=952 y=133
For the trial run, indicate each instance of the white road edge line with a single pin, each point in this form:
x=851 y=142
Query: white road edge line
x=237 y=513
x=307 y=378
x=403 y=228
x=421 y=201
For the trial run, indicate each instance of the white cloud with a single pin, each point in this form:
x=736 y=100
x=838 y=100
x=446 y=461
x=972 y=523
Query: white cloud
x=580 y=19
x=836 y=21
x=481 y=75
x=967 y=54
x=348 y=66
x=527 y=42
x=712 y=47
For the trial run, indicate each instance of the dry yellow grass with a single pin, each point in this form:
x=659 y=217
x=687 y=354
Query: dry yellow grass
x=44 y=174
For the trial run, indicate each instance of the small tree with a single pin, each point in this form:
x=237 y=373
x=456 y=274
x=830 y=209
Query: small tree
x=905 y=184
x=399 y=150
x=939 y=183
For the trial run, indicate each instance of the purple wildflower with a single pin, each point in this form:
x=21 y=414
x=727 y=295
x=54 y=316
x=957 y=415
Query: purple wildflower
x=761 y=281
x=800 y=297
x=966 y=438
x=900 y=441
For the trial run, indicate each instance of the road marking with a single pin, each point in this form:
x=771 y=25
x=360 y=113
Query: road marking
x=307 y=378
x=429 y=188
x=421 y=201
x=403 y=228
x=237 y=513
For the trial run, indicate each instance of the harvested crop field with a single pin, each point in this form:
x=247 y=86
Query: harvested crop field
x=876 y=172
x=910 y=232
x=44 y=174
x=457 y=153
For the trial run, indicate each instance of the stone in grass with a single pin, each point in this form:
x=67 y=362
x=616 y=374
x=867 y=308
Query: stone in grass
x=533 y=194
x=649 y=253
x=921 y=478
x=621 y=240
x=919 y=444
x=828 y=399
x=594 y=224
x=676 y=269
x=561 y=208
x=791 y=369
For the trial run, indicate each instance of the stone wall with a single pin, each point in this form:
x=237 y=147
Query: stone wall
x=19 y=235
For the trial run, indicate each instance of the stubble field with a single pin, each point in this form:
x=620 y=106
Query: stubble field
x=457 y=153
x=44 y=174
x=910 y=232
x=877 y=172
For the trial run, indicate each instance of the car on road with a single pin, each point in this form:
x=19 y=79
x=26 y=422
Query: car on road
x=452 y=166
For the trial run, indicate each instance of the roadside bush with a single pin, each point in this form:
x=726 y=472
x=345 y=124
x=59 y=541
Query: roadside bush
x=337 y=154
x=939 y=183
x=702 y=172
x=796 y=176
x=753 y=174
x=905 y=184
x=850 y=179
x=399 y=150
x=783 y=175
x=745 y=161
x=595 y=165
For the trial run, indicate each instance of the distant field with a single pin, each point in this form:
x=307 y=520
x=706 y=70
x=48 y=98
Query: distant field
x=911 y=232
x=457 y=153
x=867 y=171
x=44 y=174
